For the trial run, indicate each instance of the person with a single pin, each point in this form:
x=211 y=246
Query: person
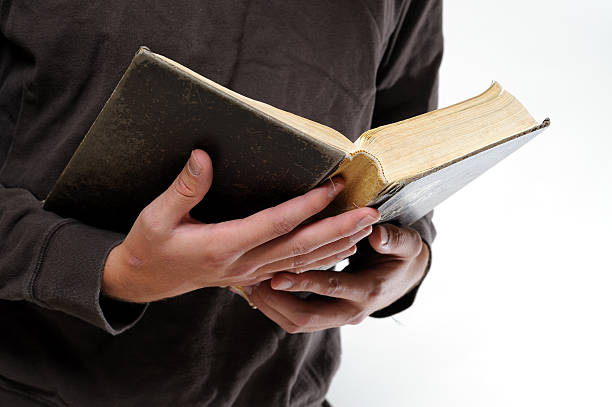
x=92 y=317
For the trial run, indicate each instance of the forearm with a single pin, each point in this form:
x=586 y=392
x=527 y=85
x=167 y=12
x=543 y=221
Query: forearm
x=53 y=262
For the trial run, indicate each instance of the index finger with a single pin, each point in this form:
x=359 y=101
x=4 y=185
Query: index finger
x=297 y=315
x=348 y=286
x=279 y=220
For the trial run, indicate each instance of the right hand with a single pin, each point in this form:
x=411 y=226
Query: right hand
x=168 y=253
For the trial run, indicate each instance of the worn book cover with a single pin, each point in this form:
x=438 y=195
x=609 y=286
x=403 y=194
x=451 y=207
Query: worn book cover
x=261 y=156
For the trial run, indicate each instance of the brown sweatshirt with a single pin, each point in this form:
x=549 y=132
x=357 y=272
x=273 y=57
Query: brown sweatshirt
x=348 y=64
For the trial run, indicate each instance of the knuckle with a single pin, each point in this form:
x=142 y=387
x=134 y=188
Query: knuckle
x=334 y=286
x=303 y=284
x=297 y=261
x=303 y=320
x=283 y=226
x=346 y=229
x=396 y=237
x=185 y=186
x=218 y=257
x=375 y=290
x=298 y=248
x=316 y=206
x=314 y=201
x=408 y=240
x=152 y=223
x=146 y=216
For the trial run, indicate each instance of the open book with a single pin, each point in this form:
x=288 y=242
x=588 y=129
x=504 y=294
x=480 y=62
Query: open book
x=262 y=155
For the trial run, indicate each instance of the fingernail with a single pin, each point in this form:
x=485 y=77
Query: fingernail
x=334 y=188
x=366 y=221
x=284 y=284
x=194 y=166
x=384 y=236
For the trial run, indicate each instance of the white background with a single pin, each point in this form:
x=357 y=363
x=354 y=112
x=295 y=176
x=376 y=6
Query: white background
x=517 y=309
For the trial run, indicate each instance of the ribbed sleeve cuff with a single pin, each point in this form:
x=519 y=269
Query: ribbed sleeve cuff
x=68 y=277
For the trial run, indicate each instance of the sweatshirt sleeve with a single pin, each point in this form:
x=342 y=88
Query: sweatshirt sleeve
x=407 y=85
x=57 y=263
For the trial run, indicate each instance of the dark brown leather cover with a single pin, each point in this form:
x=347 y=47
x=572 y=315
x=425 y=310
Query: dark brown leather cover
x=144 y=135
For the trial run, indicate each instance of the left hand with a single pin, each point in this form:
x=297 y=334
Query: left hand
x=396 y=266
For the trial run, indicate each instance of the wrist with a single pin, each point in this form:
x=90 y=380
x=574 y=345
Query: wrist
x=113 y=276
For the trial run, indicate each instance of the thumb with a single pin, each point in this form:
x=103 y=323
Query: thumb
x=187 y=189
x=390 y=239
